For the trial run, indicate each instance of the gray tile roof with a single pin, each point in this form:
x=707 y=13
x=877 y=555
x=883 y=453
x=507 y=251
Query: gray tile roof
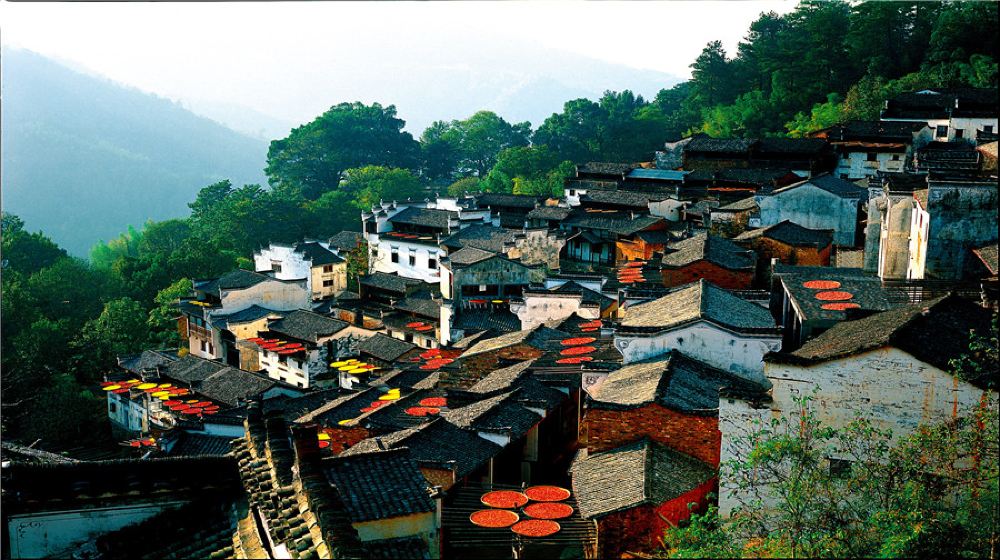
x=190 y=369
x=630 y=199
x=346 y=240
x=437 y=442
x=238 y=279
x=793 y=234
x=698 y=300
x=391 y=282
x=830 y=184
x=742 y=205
x=306 y=325
x=508 y=200
x=427 y=217
x=606 y=168
x=621 y=223
x=706 y=247
x=148 y=360
x=232 y=386
x=502 y=413
x=538 y=333
x=725 y=145
x=481 y=236
x=423 y=306
x=988 y=255
x=676 y=382
x=495 y=321
x=189 y=444
x=379 y=485
x=316 y=254
x=385 y=347
x=865 y=288
x=252 y=313
x=404 y=548
x=807 y=146
x=934 y=332
x=501 y=379
x=468 y=256
x=641 y=473
x=549 y=213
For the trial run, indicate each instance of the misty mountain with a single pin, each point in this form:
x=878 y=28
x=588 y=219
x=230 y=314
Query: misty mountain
x=84 y=157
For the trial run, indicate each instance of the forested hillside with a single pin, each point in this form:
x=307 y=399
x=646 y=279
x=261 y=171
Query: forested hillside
x=65 y=320
x=83 y=158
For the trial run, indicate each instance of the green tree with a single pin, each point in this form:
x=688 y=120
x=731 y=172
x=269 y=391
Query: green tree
x=357 y=264
x=26 y=252
x=811 y=490
x=332 y=213
x=464 y=185
x=712 y=76
x=573 y=134
x=120 y=329
x=372 y=184
x=104 y=255
x=480 y=138
x=162 y=321
x=527 y=170
x=349 y=135
x=823 y=115
x=440 y=151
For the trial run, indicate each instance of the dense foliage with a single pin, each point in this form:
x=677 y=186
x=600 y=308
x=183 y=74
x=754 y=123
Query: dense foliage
x=64 y=319
x=932 y=495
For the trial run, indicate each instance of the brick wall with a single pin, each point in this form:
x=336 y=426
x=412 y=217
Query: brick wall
x=724 y=278
x=803 y=256
x=697 y=436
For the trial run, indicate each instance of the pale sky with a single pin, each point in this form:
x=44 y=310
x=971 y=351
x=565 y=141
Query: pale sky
x=291 y=60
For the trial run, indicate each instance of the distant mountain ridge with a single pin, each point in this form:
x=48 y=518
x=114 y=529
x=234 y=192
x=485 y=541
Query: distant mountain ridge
x=84 y=157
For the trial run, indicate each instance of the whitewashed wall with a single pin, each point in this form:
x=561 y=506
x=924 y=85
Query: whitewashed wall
x=703 y=341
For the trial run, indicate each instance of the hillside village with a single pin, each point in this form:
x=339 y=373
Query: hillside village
x=399 y=391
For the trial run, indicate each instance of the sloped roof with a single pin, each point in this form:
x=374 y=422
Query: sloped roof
x=499 y=413
x=622 y=223
x=233 y=385
x=317 y=254
x=190 y=369
x=865 y=288
x=423 y=306
x=873 y=130
x=606 y=168
x=252 y=313
x=428 y=217
x=790 y=233
x=677 y=382
x=744 y=204
x=539 y=333
x=379 y=485
x=698 y=300
x=308 y=326
x=934 y=332
x=549 y=213
x=711 y=248
x=640 y=473
x=631 y=199
x=391 y=282
x=238 y=279
x=501 y=379
x=724 y=145
x=508 y=200
x=469 y=255
x=438 y=441
x=658 y=174
x=148 y=360
x=988 y=255
x=830 y=184
x=346 y=240
x=385 y=347
x=808 y=146
x=480 y=236
x=492 y=320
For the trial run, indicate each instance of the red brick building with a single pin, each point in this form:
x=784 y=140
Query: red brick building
x=708 y=257
x=634 y=492
x=673 y=401
x=790 y=243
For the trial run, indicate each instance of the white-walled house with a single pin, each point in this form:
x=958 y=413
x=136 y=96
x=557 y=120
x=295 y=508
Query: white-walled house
x=705 y=322
x=405 y=238
x=237 y=291
x=324 y=271
x=952 y=114
x=865 y=148
x=822 y=202
x=891 y=368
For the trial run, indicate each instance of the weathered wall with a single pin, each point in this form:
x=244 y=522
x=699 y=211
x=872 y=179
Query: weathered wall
x=417 y=525
x=697 y=436
x=855 y=165
x=893 y=248
x=706 y=342
x=538 y=309
x=768 y=249
x=337 y=278
x=888 y=386
x=814 y=208
x=537 y=246
x=272 y=294
x=722 y=277
x=962 y=217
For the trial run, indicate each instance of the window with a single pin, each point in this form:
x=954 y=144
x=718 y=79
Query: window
x=413 y=259
x=328 y=268
x=327 y=283
x=572 y=192
x=942 y=131
x=432 y=263
x=988 y=129
x=113 y=407
x=840 y=468
x=872 y=156
x=409 y=337
x=895 y=157
x=959 y=133
x=395 y=255
x=276 y=266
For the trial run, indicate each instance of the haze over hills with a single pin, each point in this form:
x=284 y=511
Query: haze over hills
x=84 y=157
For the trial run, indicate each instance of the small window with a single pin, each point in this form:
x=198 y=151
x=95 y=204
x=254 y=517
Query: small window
x=409 y=337
x=942 y=131
x=432 y=263
x=872 y=156
x=572 y=192
x=413 y=259
x=988 y=129
x=840 y=468
x=395 y=256
x=327 y=268
x=895 y=157
x=113 y=407
x=959 y=134
x=327 y=283
x=299 y=384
